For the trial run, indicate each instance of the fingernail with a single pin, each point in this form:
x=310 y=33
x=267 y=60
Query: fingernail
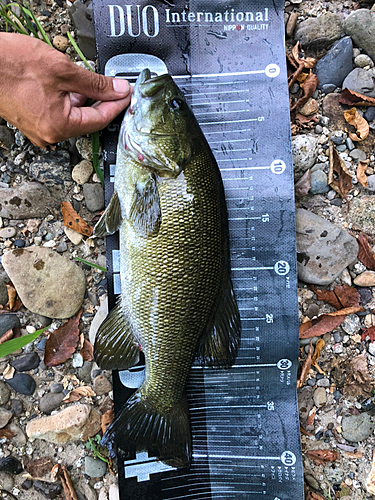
x=120 y=86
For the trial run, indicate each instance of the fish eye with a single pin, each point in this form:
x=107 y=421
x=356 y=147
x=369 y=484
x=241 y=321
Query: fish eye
x=176 y=103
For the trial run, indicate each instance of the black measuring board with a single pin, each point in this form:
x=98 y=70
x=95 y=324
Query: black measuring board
x=229 y=60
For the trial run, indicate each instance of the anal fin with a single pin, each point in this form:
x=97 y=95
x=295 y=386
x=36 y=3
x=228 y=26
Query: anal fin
x=115 y=346
x=219 y=345
x=111 y=218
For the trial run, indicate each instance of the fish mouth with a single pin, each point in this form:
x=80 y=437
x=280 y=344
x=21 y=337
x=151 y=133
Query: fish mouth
x=148 y=86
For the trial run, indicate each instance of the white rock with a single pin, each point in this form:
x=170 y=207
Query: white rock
x=73 y=236
x=114 y=492
x=99 y=317
x=304 y=149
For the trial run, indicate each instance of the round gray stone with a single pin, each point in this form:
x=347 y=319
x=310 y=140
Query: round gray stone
x=7 y=232
x=94 y=197
x=4 y=393
x=363 y=60
x=323 y=250
x=319 y=32
x=335 y=65
x=356 y=428
x=362 y=213
x=358 y=154
x=50 y=401
x=360 y=26
x=95 y=467
x=7 y=322
x=351 y=324
x=47 y=283
x=319 y=182
x=305 y=150
x=360 y=81
x=371 y=182
x=5 y=416
x=320 y=397
x=6 y=481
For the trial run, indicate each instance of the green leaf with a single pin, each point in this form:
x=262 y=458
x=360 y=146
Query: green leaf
x=95 y=143
x=12 y=345
x=91 y=264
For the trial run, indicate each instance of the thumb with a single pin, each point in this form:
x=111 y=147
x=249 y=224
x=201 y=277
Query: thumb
x=98 y=87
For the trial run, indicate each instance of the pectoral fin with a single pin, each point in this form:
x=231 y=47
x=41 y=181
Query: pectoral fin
x=219 y=345
x=145 y=213
x=111 y=219
x=115 y=346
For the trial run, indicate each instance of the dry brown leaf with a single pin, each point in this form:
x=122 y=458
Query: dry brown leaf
x=342 y=184
x=324 y=325
x=299 y=57
x=6 y=433
x=78 y=393
x=39 y=467
x=366 y=254
x=361 y=172
x=305 y=368
x=59 y=472
x=14 y=302
x=87 y=351
x=318 y=348
x=369 y=332
x=74 y=221
x=308 y=88
x=347 y=295
x=346 y=311
x=303 y=186
x=107 y=419
x=311 y=495
x=358 y=381
x=62 y=343
x=320 y=457
x=361 y=124
x=7 y=336
x=327 y=296
x=351 y=98
x=310 y=419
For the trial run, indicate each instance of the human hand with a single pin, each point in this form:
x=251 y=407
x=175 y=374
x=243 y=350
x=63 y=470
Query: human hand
x=42 y=92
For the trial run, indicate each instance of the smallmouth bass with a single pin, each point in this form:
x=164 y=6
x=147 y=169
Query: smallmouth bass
x=177 y=301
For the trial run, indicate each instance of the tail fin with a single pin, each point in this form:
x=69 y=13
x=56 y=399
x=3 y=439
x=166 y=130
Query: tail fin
x=140 y=427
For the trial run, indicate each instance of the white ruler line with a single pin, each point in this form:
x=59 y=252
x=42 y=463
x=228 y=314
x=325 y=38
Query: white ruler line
x=232 y=159
x=242 y=168
x=228 y=131
x=221 y=102
x=229 y=121
x=199 y=94
x=228 y=140
x=252 y=268
x=222 y=112
x=234 y=457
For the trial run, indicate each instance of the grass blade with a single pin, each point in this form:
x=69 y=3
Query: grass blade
x=91 y=264
x=95 y=144
x=78 y=50
x=39 y=26
x=12 y=345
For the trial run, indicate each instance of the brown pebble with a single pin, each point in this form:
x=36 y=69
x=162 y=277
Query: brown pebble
x=60 y=43
x=101 y=385
x=291 y=24
x=309 y=108
x=365 y=279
